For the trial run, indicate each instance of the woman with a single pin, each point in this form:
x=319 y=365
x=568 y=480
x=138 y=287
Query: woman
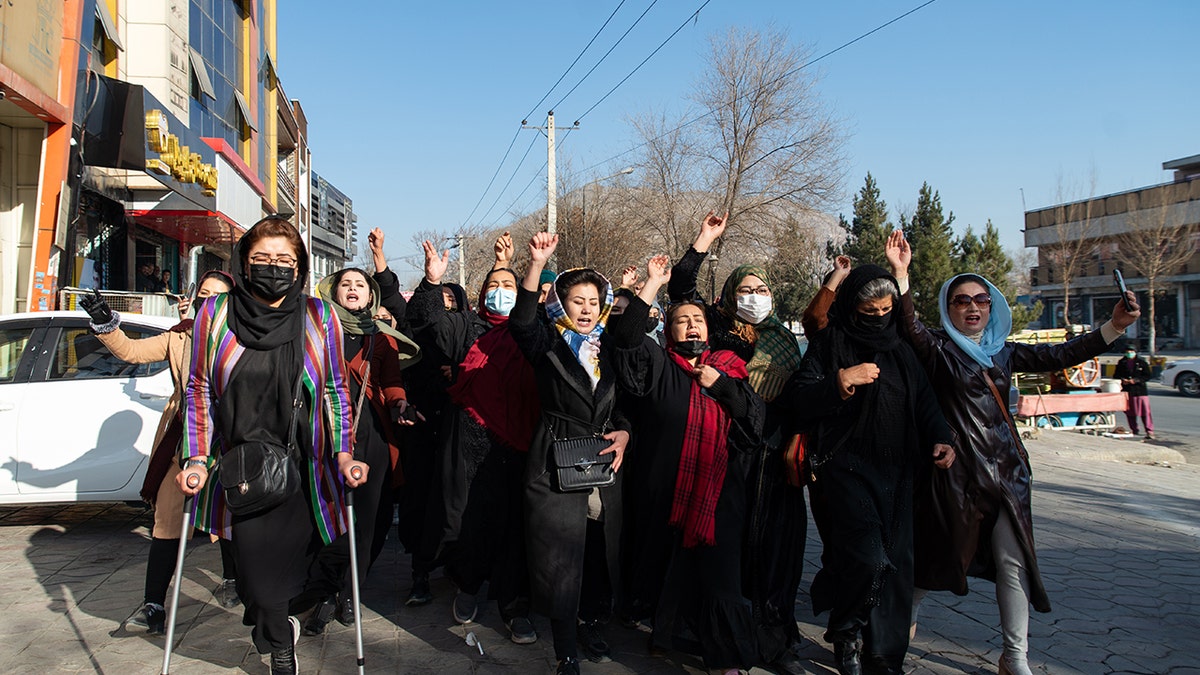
x=875 y=419
x=691 y=501
x=158 y=488
x=476 y=521
x=743 y=320
x=375 y=355
x=572 y=536
x=251 y=346
x=979 y=521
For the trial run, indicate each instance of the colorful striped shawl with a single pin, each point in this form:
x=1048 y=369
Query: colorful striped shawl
x=215 y=352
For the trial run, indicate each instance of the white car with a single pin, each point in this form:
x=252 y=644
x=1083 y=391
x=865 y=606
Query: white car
x=1184 y=376
x=76 y=423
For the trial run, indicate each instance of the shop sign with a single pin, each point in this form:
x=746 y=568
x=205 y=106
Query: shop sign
x=175 y=160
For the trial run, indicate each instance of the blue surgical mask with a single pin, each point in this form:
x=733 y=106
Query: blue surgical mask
x=500 y=301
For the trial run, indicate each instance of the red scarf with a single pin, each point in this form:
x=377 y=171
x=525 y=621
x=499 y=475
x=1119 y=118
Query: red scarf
x=495 y=386
x=705 y=456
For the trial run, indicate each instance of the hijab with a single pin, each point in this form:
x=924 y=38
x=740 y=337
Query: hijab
x=855 y=340
x=585 y=346
x=776 y=351
x=487 y=314
x=363 y=321
x=993 y=335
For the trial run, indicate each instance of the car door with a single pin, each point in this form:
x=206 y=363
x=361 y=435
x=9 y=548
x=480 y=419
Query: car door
x=19 y=343
x=88 y=419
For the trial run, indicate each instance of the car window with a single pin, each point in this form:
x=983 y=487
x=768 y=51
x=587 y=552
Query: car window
x=79 y=355
x=12 y=344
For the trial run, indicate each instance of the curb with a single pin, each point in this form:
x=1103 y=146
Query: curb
x=1082 y=446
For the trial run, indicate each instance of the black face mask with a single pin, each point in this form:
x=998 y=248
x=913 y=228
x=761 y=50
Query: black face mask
x=651 y=324
x=270 y=282
x=690 y=349
x=872 y=322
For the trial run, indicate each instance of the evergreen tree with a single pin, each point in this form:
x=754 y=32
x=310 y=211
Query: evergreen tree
x=868 y=232
x=933 y=246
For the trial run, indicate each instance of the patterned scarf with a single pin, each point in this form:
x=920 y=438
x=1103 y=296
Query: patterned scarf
x=586 y=347
x=705 y=454
x=776 y=351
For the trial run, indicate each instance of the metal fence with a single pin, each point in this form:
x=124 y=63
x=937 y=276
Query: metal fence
x=154 y=304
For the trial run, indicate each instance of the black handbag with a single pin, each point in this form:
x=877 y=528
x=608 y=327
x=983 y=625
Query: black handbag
x=578 y=464
x=260 y=475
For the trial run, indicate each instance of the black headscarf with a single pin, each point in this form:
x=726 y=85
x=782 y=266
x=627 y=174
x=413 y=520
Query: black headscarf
x=460 y=296
x=854 y=342
x=256 y=324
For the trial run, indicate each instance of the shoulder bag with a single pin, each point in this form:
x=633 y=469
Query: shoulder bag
x=578 y=464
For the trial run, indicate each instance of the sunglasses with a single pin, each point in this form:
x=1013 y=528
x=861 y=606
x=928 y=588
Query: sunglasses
x=964 y=300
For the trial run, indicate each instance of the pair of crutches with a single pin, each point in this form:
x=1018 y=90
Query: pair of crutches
x=194 y=480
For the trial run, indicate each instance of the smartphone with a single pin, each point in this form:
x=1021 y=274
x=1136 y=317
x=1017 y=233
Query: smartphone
x=1120 y=281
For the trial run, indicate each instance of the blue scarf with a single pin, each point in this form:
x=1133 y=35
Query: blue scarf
x=586 y=347
x=995 y=333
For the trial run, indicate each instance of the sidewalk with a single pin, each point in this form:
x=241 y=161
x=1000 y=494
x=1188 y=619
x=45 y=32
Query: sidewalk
x=1118 y=545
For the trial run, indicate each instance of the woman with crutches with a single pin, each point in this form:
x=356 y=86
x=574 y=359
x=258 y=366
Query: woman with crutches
x=268 y=373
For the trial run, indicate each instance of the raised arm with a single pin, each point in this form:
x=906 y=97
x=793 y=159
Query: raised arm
x=1041 y=358
x=924 y=344
x=450 y=332
x=683 y=276
x=503 y=250
x=816 y=315
x=530 y=335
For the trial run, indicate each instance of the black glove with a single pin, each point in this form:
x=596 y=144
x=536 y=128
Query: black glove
x=96 y=308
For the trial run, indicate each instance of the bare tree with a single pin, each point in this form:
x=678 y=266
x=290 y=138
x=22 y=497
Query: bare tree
x=1157 y=243
x=1074 y=228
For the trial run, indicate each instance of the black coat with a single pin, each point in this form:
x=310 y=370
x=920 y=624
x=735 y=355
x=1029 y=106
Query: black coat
x=955 y=520
x=556 y=522
x=1135 y=369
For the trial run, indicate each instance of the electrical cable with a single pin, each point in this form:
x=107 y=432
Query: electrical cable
x=511 y=176
x=580 y=56
x=647 y=59
x=765 y=86
x=494 y=174
x=602 y=58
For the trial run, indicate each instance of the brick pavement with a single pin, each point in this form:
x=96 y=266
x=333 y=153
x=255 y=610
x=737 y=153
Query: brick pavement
x=1119 y=547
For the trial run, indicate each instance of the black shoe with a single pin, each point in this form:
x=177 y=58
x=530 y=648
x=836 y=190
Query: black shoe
x=151 y=617
x=568 y=666
x=847 y=657
x=789 y=663
x=419 y=595
x=345 y=611
x=283 y=661
x=592 y=641
x=320 y=617
x=520 y=630
x=227 y=594
x=878 y=665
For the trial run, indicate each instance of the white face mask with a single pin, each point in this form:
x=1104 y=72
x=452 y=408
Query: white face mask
x=753 y=308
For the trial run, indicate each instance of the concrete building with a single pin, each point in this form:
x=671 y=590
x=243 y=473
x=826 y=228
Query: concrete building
x=140 y=135
x=1099 y=223
x=334 y=238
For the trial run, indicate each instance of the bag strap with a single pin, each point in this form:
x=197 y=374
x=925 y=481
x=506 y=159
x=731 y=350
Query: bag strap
x=296 y=391
x=362 y=394
x=1012 y=427
x=571 y=418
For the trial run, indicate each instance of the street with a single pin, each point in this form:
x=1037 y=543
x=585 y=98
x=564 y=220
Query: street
x=1118 y=545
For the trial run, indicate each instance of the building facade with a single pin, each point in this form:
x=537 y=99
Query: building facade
x=1096 y=233
x=138 y=141
x=334 y=233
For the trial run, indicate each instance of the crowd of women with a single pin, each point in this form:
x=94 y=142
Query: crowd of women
x=589 y=457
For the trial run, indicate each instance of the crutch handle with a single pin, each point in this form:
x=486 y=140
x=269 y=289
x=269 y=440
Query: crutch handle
x=356 y=473
x=193 y=480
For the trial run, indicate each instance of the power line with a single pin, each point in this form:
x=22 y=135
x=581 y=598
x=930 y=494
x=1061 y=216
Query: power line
x=494 y=174
x=765 y=86
x=510 y=179
x=580 y=56
x=645 y=60
x=517 y=133
x=602 y=58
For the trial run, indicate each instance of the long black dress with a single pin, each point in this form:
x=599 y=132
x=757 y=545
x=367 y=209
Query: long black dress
x=695 y=593
x=475 y=508
x=868 y=450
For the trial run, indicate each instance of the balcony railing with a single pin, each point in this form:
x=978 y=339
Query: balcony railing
x=287 y=187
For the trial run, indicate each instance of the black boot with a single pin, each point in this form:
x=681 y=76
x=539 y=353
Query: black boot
x=320 y=617
x=283 y=661
x=847 y=657
x=881 y=665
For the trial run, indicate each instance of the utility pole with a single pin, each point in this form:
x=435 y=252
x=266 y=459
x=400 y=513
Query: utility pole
x=551 y=191
x=551 y=175
x=462 y=259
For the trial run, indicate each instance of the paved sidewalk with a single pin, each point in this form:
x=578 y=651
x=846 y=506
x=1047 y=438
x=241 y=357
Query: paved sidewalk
x=1119 y=546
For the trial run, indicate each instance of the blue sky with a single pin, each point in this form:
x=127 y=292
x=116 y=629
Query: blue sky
x=411 y=105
